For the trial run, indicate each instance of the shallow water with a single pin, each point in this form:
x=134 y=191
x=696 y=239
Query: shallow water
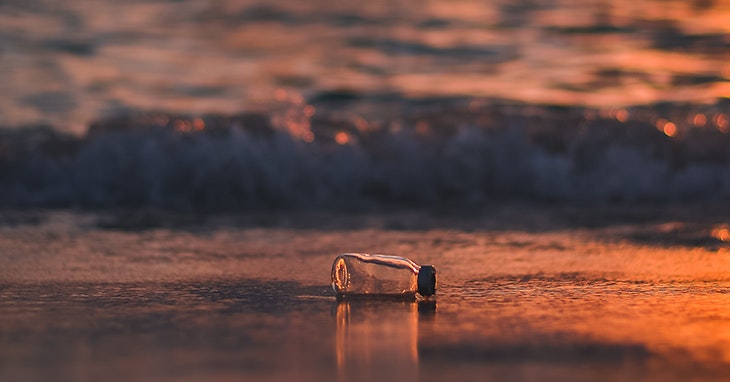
x=525 y=292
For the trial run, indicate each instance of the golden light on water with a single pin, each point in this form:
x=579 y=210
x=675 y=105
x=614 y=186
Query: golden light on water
x=183 y=126
x=722 y=123
x=721 y=233
x=670 y=129
x=699 y=120
x=198 y=124
x=512 y=298
x=563 y=299
x=280 y=95
x=342 y=138
x=660 y=51
x=309 y=110
x=307 y=136
x=293 y=114
x=361 y=124
x=372 y=338
x=666 y=127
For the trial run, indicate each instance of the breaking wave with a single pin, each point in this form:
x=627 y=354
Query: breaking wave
x=464 y=154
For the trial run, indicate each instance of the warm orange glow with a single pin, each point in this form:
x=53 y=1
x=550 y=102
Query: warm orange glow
x=342 y=138
x=630 y=295
x=298 y=127
x=307 y=136
x=699 y=120
x=198 y=124
x=183 y=126
x=296 y=98
x=670 y=129
x=372 y=336
x=280 y=95
x=303 y=51
x=721 y=233
x=722 y=123
x=343 y=323
x=422 y=127
x=361 y=124
x=309 y=110
x=622 y=115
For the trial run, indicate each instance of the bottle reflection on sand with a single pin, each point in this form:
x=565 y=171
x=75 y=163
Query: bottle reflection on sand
x=377 y=340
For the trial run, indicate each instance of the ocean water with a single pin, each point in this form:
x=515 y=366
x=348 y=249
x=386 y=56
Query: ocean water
x=176 y=178
x=244 y=105
x=66 y=64
x=459 y=153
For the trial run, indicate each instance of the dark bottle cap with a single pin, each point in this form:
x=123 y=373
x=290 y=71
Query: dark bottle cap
x=427 y=280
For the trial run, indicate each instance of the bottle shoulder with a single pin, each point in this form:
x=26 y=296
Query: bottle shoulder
x=386 y=260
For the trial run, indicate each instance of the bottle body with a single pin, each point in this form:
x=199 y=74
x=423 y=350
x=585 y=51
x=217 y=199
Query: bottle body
x=365 y=274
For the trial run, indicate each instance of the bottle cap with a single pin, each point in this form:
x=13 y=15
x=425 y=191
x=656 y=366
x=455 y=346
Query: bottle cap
x=427 y=280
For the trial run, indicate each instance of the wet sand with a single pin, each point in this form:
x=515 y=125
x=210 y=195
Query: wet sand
x=525 y=293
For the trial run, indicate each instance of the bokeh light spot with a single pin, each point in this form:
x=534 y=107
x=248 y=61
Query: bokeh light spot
x=670 y=129
x=342 y=138
x=699 y=120
x=198 y=124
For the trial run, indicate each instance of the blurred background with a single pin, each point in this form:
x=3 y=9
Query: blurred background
x=68 y=63
x=221 y=104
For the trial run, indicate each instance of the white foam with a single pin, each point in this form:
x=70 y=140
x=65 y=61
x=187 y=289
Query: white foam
x=234 y=168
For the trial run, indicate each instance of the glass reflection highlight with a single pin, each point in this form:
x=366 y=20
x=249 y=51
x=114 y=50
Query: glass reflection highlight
x=377 y=339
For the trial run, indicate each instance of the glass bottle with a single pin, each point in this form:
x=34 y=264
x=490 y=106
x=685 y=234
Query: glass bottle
x=365 y=274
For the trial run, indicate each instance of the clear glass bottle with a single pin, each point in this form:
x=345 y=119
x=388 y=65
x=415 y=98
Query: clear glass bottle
x=365 y=274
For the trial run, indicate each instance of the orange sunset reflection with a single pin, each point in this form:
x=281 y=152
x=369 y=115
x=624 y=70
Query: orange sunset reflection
x=224 y=57
x=587 y=298
x=376 y=338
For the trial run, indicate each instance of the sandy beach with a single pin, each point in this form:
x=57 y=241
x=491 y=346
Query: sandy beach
x=525 y=292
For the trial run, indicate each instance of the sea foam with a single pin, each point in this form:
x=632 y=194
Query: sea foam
x=463 y=155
